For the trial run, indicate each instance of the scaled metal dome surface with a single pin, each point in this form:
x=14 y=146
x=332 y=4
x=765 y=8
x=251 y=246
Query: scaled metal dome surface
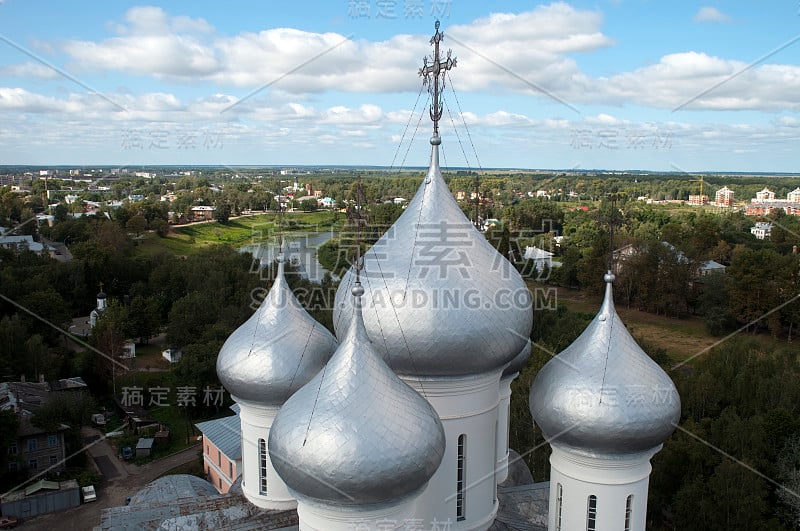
x=276 y=351
x=356 y=434
x=440 y=300
x=519 y=361
x=603 y=394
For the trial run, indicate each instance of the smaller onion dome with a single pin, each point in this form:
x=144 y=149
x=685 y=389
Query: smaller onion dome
x=603 y=394
x=276 y=351
x=356 y=434
x=101 y=295
x=519 y=361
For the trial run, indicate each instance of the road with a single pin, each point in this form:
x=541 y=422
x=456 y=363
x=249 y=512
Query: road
x=121 y=480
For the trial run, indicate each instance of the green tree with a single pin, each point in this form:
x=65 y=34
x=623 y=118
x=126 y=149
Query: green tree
x=789 y=475
x=144 y=318
x=137 y=224
x=712 y=304
x=758 y=282
x=308 y=205
x=222 y=212
x=160 y=226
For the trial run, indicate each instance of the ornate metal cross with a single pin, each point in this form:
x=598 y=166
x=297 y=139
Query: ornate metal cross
x=433 y=75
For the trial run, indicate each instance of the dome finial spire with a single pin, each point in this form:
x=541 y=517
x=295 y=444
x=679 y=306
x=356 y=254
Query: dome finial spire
x=433 y=75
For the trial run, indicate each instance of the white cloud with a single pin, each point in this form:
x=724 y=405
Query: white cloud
x=503 y=118
x=287 y=129
x=710 y=14
x=29 y=70
x=365 y=114
x=532 y=44
x=530 y=53
x=700 y=81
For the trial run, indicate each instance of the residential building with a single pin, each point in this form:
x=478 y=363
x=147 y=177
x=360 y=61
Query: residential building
x=765 y=195
x=222 y=451
x=761 y=230
x=724 y=197
x=36 y=449
x=794 y=195
x=144 y=446
x=540 y=258
x=698 y=200
x=202 y=213
x=630 y=250
x=172 y=355
x=20 y=243
x=710 y=267
x=766 y=208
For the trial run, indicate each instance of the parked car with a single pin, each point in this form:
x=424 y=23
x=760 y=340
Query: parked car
x=99 y=419
x=127 y=453
x=88 y=494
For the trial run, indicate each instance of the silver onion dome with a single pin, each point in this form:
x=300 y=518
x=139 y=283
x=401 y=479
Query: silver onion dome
x=603 y=394
x=276 y=351
x=356 y=434
x=440 y=300
x=519 y=361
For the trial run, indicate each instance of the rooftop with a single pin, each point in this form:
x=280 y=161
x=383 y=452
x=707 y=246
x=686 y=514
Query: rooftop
x=225 y=433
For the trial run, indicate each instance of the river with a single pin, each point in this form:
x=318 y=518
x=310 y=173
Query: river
x=300 y=250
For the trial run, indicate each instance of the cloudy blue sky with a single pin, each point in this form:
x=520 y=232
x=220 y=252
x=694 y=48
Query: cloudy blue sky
x=614 y=84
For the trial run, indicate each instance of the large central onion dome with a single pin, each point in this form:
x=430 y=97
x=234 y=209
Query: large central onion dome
x=603 y=394
x=440 y=300
x=519 y=361
x=277 y=350
x=356 y=434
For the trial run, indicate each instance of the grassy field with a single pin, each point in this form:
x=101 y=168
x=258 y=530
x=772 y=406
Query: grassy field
x=680 y=338
x=189 y=239
x=149 y=357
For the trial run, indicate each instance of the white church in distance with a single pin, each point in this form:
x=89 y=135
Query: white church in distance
x=401 y=421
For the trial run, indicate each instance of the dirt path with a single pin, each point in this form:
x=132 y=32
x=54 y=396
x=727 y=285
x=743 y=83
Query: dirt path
x=124 y=479
x=680 y=338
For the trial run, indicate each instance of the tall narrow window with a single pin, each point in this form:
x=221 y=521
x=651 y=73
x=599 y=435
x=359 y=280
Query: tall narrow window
x=496 y=426
x=591 y=514
x=628 y=511
x=559 y=502
x=262 y=466
x=461 y=478
x=508 y=426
